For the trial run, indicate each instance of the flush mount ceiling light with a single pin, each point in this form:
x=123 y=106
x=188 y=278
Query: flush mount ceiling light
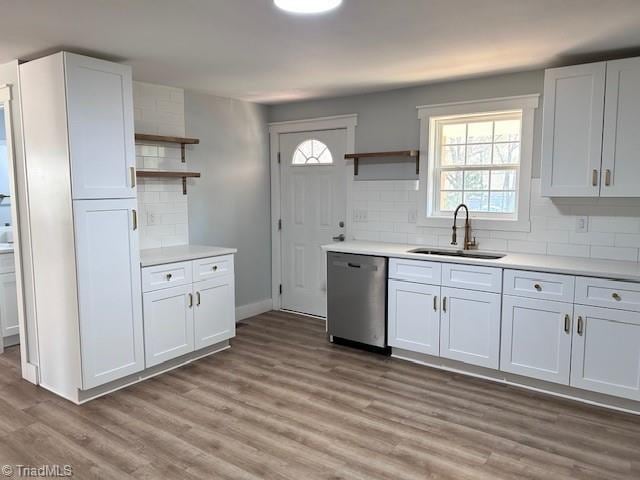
x=307 y=6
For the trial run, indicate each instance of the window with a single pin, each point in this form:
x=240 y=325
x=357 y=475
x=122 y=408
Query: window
x=477 y=162
x=478 y=153
x=312 y=152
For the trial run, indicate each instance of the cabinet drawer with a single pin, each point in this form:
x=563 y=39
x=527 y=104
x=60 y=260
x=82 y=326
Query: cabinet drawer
x=599 y=292
x=165 y=276
x=212 y=267
x=470 y=277
x=546 y=286
x=415 y=271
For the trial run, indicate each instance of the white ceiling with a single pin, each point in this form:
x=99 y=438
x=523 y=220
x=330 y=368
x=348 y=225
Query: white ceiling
x=249 y=49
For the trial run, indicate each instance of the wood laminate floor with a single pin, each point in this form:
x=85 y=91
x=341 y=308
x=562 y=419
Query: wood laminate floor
x=283 y=403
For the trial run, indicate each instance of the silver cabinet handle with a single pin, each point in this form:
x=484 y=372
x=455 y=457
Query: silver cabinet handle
x=190 y=301
x=580 y=328
x=135 y=219
x=538 y=287
x=616 y=296
x=444 y=304
x=169 y=276
x=607 y=177
x=567 y=323
x=594 y=178
x=435 y=303
x=214 y=268
x=132 y=172
x=197 y=298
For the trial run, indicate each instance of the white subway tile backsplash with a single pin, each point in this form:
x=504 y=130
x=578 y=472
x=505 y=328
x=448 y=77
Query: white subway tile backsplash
x=613 y=225
x=163 y=207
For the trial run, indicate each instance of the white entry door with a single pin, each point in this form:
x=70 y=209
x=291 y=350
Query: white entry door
x=313 y=201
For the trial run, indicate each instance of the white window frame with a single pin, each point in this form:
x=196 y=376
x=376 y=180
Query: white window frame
x=430 y=114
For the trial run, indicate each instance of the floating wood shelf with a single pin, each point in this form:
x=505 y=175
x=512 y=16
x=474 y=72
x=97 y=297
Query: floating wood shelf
x=399 y=153
x=144 y=137
x=169 y=174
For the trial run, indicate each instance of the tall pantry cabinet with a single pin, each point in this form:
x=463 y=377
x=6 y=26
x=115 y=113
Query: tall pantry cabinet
x=80 y=168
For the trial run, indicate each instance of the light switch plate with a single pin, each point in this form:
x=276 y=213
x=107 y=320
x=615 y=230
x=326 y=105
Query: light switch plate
x=360 y=215
x=582 y=224
x=153 y=218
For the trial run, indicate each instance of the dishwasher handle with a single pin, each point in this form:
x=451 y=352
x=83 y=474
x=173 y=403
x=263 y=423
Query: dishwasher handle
x=353 y=265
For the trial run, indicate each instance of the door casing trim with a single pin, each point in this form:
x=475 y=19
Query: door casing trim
x=336 y=122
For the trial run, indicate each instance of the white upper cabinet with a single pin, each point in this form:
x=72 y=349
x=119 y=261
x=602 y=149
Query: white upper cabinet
x=572 y=130
x=590 y=142
x=621 y=141
x=109 y=290
x=100 y=121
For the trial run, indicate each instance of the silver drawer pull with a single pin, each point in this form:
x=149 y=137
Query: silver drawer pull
x=190 y=300
x=444 y=304
x=538 y=287
x=214 y=268
x=169 y=276
x=616 y=297
x=567 y=323
x=580 y=326
x=594 y=178
x=435 y=303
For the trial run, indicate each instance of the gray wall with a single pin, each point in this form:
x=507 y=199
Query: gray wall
x=389 y=120
x=230 y=204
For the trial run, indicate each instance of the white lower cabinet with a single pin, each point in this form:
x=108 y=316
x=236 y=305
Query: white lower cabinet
x=414 y=317
x=168 y=324
x=470 y=327
x=196 y=313
x=605 y=356
x=8 y=305
x=536 y=338
x=214 y=314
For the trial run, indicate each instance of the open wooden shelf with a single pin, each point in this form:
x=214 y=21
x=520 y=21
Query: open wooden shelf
x=182 y=141
x=169 y=174
x=398 y=153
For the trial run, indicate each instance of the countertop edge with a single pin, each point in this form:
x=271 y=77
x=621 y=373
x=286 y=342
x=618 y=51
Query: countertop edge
x=611 y=269
x=167 y=255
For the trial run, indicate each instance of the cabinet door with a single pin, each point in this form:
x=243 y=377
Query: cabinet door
x=572 y=130
x=168 y=324
x=470 y=327
x=414 y=317
x=536 y=338
x=109 y=291
x=100 y=122
x=214 y=314
x=621 y=142
x=605 y=355
x=8 y=305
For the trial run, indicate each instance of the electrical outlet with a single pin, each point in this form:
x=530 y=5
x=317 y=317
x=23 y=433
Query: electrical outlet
x=360 y=215
x=152 y=218
x=582 y=224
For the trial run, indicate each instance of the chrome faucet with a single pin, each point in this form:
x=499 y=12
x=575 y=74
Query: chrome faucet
x=468 y=244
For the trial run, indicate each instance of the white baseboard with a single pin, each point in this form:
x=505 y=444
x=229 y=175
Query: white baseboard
x=252 y=309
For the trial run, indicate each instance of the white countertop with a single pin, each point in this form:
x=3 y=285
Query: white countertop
x=180 y=253
x=520 y=261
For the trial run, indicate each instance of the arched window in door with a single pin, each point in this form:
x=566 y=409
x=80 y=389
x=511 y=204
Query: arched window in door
x=312 y=152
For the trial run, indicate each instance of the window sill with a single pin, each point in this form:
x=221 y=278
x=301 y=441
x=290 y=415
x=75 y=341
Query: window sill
x=477 y=223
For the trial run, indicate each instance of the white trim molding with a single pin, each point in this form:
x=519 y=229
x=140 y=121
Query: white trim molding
x=429 y=114
x=253 y=309
x=336 y=122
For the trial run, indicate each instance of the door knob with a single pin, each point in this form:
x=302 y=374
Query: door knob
x=339 y=238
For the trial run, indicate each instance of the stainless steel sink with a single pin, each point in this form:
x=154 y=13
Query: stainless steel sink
x=458 y=253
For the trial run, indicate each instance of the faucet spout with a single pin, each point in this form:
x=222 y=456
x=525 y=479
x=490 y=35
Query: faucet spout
x=468 y=243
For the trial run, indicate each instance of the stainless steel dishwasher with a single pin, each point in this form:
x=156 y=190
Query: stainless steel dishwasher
x=357 y=298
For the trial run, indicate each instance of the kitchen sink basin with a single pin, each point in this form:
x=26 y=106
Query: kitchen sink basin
x=458 y=253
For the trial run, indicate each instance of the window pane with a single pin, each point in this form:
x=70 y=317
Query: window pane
x=504 y=179
x=450 y=200
x=480 y=132
x=476 y=180
x=325 y=157
x=506 y=153
x=503 y=202
x=477 y=201
x=479 y=154
x=507 y=131
x=454 y=133
x=451 y=180
x=452 y=155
